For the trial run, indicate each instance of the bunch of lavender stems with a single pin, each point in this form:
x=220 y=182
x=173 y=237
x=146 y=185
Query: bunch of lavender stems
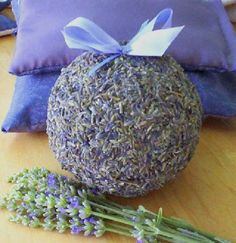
x=40 y=198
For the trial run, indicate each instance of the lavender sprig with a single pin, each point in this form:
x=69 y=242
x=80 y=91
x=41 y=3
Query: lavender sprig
x=40 y=198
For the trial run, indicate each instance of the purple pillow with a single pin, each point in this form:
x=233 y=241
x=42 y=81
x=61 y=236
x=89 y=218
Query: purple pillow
x=207 y=42
x=28 y=111
x=7 y=26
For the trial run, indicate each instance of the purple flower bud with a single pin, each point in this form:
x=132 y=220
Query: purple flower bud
x=113 y=135
x=109 y=126
x=90 y=220
x=82 y=221
x=92 y=233
x=149 y=158
x=62 y=210
x=74 y=202
x=85 y=144
x=76 y=229
x=24 y=205
x=71 y=221
x=136 y=219
x=64 y=178
x=94 y=191
x=31 y=216
x=51 y=180
x=139 y=241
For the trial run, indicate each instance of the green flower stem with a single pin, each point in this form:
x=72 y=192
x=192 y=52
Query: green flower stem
x=175 y=234
x=113 y=230
x=114 y=207
x=120 y=220
x=109 y=203
x=119 y=212
x=180 y=224
x=147 y=229
x=134 y=213
x=177 y=238
x=126 y=228
x=113 y=218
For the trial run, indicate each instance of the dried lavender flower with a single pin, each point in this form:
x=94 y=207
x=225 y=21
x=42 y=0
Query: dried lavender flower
x=130 y=128
x=56 y=197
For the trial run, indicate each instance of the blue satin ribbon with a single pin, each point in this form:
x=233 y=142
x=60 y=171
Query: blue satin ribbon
x=82 y=33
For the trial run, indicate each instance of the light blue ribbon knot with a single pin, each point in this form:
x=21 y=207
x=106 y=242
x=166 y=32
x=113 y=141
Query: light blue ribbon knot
x=82 y=33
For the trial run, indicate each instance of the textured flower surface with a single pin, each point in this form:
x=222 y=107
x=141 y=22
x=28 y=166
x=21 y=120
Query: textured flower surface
x=40 y=198
x=128 y=130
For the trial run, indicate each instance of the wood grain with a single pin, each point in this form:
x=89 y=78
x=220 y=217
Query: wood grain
x=204 y=194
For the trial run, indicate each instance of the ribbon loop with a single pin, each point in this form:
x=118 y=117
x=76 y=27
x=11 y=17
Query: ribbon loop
x=82 y=33
x=164 y=19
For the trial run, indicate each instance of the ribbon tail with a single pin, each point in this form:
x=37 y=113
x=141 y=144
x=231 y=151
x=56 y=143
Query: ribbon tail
x=101 y=64
x=154 y=43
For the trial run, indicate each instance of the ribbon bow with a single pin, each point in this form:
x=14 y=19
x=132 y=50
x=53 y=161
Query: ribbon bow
x=82 y=33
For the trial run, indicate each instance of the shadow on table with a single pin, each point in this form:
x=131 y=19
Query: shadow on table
x=220 y=124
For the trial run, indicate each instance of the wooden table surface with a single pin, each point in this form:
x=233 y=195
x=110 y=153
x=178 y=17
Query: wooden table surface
x=204 y=194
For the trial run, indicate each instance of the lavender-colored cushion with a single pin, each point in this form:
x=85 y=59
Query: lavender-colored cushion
x=7 y=26
x=28 y=110
x=217 y=92
x=207 y=42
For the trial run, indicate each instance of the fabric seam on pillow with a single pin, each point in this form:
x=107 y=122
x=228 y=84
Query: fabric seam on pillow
x=56 y=68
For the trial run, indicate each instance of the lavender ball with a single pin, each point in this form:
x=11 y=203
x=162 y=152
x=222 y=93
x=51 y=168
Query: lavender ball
x=127 y=130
